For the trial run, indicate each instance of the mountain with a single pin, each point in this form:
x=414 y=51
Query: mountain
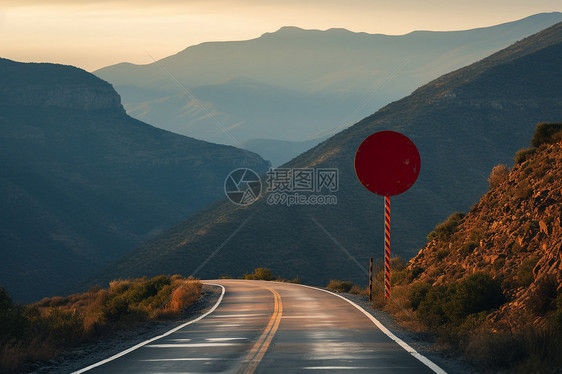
x=276 y=151
x=81 y=182
x=296 y=84
x=513 y=234
x=463 y=124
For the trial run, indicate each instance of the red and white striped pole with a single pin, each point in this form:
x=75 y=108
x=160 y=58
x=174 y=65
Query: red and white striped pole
x=387 y=247
x=371 y=279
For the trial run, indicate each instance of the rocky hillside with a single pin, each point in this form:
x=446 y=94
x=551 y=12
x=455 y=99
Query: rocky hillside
x=513 y=233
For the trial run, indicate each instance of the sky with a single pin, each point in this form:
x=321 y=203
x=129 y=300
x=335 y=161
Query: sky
x=92 y=34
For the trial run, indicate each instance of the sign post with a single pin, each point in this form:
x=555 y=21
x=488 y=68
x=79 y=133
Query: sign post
x=387 y=163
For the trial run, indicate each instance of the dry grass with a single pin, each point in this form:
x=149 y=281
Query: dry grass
x=40 y=331
x=183 y=296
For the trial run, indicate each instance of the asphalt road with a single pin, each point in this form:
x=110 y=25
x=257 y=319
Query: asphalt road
x=271 y=327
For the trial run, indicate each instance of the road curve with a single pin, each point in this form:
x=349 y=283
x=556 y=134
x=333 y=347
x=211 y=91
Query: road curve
x=271 y=327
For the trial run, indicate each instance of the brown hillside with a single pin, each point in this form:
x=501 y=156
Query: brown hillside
x=514 y=234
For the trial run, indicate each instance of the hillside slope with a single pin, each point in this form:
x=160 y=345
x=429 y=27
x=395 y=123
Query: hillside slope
x=513 y=233
x=463 y=124
x=81 y=182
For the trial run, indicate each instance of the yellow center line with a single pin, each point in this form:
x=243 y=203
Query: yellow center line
x=258 y=350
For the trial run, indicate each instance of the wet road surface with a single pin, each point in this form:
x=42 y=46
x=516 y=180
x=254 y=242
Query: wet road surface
x=271 y=327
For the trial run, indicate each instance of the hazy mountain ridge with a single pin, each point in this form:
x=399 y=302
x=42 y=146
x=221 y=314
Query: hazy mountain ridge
x=460 y=138
x=309 y=81
x=81 y=182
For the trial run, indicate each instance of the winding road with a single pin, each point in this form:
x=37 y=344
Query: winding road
x=271 y=327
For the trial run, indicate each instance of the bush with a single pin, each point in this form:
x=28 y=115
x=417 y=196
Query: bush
x=523 y=190
x=523 y=155
x=183 y=296
x=545 y=296
x=498 y=175
x=468 y=248
x=441 y=254
x=12 y=320
x=339 y=286
x=416 y=271
x=445 y=229
x=418 y=291
x=454 y=302
x=260 y=274
x=545 y=133
x=529 y=350
x=525 y=272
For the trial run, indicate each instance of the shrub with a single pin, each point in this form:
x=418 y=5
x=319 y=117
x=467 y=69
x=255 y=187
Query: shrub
x=397 y=264
x=545 y=296
x=498 y=175
x=498 y=264
x=525 y=272
x=183 y=296
x=545 y=133
x=12 y=320
x=452 y=303
x=523 y=190
x=441 y=254
x=339 y=286
x=416 y=271
x=468 y=248
x=64 y=328
x=529 y=350
x=418 y=291
x=260 y=274
x=445 y=229
x=523 y=155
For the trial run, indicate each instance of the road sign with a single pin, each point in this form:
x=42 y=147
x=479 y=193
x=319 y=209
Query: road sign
x=387 y=163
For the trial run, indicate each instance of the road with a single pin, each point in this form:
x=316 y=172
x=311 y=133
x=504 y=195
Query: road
x=271 y=327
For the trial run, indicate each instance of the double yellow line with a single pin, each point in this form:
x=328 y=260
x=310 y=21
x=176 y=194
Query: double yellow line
x=258 y=350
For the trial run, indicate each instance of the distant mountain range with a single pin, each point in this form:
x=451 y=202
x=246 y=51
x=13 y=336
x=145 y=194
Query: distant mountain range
x=297 y=85
x=81 y=182
x=463 y=124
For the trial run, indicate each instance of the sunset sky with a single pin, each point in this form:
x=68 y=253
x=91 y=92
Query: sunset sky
x=95 y=33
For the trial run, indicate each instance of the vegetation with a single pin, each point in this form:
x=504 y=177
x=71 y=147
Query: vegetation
x=40 y=331
x=523 y=155
x=339 y=286
x=498 y=175
x=266 y=275
x=445 y=229
x=451 y=304
x=547 y=133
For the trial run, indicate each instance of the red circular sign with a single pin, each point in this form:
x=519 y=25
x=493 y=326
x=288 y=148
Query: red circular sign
x=387 y=163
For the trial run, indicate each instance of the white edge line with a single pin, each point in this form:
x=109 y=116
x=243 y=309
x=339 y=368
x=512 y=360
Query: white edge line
x=426 y=361
x=123 y=353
